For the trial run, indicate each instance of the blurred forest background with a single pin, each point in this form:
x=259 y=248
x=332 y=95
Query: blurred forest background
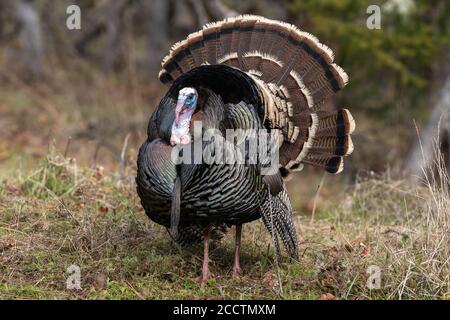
x=74 y=107
x=90 y=89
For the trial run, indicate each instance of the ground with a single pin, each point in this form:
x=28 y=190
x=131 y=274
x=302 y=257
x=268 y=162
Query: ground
x=60 y=214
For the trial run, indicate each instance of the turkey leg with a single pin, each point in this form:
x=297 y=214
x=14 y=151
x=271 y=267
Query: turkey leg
x=237 y=271
x=206 y=274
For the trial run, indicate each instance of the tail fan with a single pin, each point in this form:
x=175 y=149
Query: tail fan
x=296 y=77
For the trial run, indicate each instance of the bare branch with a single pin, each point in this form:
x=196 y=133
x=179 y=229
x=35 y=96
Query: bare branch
x=31 y=38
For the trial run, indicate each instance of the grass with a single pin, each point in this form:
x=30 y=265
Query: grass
x=62 y=214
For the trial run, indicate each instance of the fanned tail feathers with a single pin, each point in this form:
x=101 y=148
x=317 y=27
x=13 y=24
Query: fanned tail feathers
x=296 y=77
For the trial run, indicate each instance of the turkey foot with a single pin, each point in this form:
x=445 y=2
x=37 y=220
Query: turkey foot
x=237 y=271
x=206 y=274
x=203 y=278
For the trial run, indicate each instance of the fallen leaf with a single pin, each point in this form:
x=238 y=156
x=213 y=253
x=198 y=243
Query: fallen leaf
x=100 y=281
x=365 y=252
x=327 y=296
x=12 y=188
x=11 y=244
x=99 y=172
x=270 y=280
x=103 y=209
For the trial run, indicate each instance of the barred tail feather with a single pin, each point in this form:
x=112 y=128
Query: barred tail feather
x=276 y=213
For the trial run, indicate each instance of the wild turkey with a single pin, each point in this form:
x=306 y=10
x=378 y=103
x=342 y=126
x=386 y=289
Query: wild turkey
x=247 y=72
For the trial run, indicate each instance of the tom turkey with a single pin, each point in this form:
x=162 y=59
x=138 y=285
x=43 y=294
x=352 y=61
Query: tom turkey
x=247 y=72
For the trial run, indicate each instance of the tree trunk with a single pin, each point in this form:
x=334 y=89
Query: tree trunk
x=434 y=139
x=32 y=52
x=157 y=27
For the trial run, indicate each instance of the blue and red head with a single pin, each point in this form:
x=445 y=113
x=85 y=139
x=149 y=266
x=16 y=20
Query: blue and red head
x=185 y=108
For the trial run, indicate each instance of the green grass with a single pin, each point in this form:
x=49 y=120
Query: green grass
x=61 y=215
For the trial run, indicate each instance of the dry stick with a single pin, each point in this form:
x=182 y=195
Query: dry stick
x=122 y=157
x=199 y=12
x=316 y=197
x=66 y=150
x=134 y=290
x=94 y=160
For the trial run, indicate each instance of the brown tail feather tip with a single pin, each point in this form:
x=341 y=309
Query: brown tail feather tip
x=334 y=164
x=340 y=75
x=348 y=119
x=339 y=146
x=338 y=124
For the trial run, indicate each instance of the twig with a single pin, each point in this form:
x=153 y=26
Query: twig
x=96 y=154
x=66 y=150
x=316 y=197
x=122 y=157
x=134 y=290
x=199 y=12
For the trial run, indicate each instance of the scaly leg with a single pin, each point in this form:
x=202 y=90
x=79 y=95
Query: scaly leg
x=237 y=271
x=206 y=274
